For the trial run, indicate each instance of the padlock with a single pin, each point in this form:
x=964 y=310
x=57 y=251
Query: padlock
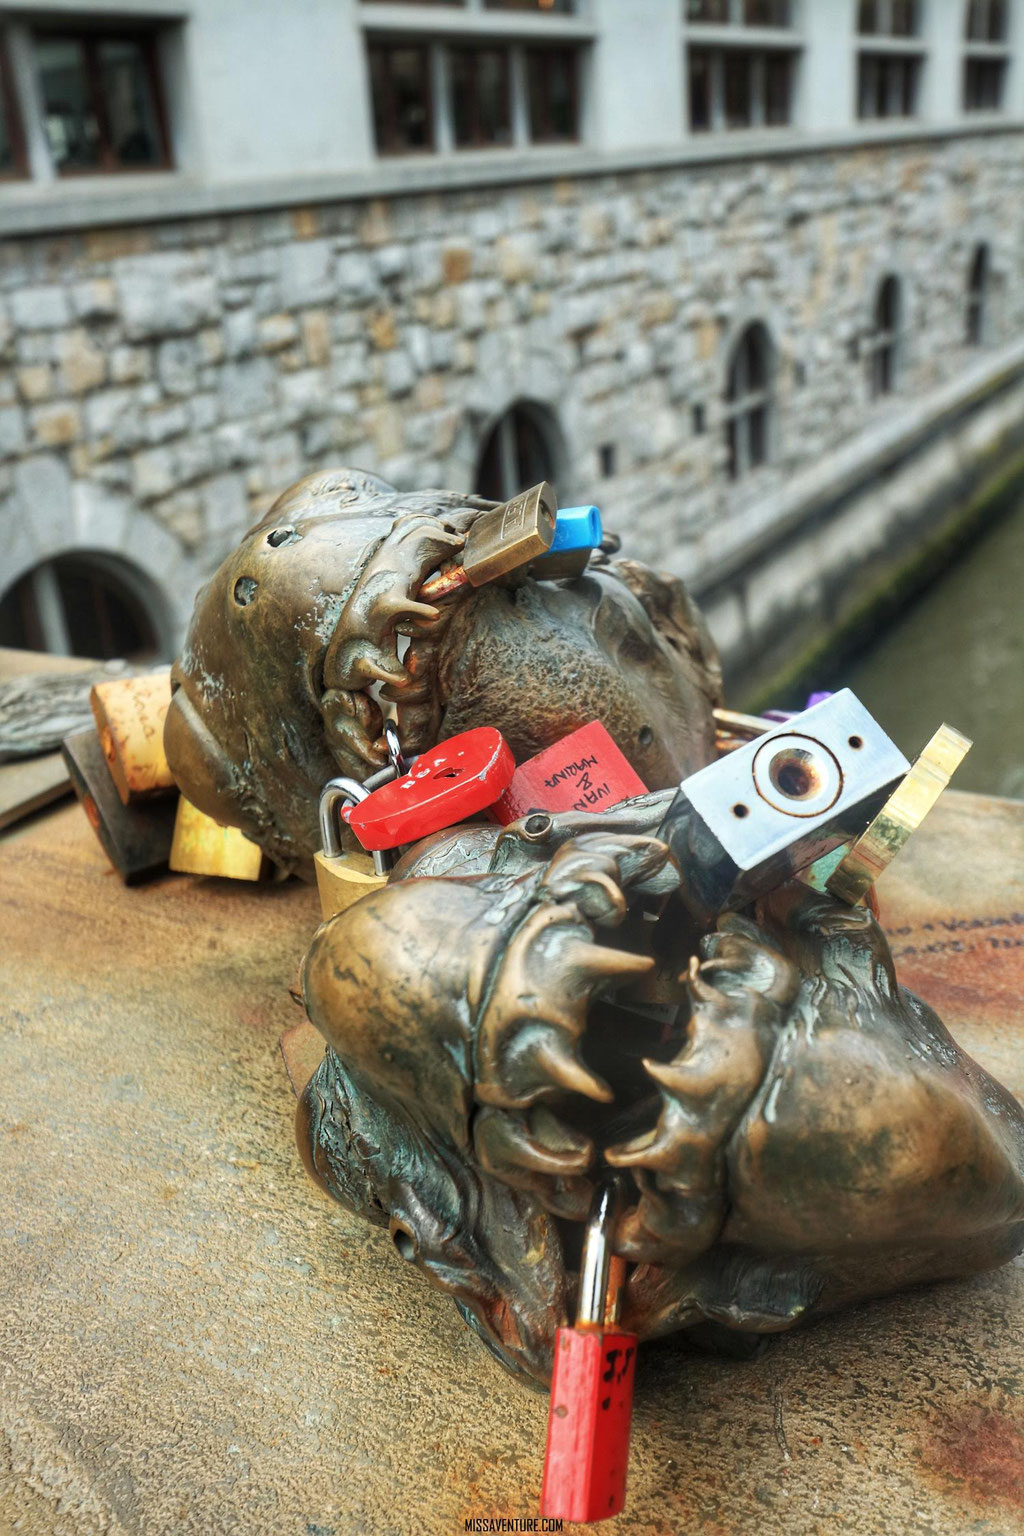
x=458 y=778
x=585 y=771
x=136 y=838
x=743 y=825
x=501 y=543
x=578 y=533
x=901 y=815
x=341 y=878
x=587 y=1456
x=202 y=846
x=129 y=715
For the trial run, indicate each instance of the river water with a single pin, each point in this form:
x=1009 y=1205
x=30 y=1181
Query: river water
x=957 y=655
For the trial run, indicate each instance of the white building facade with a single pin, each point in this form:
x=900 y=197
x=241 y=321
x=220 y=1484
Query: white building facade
x=747 y=273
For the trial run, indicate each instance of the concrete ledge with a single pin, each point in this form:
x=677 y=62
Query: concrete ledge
x=43 y=208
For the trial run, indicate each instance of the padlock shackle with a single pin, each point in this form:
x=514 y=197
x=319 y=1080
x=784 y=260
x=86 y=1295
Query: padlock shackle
x=335 y=794
x=596 y=1264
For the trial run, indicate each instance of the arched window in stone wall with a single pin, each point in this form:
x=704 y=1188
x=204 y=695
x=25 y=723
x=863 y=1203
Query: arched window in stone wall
x=748 y=400
x=83 y=604
x=521 y=449
x=884 y=337
x=978 y=285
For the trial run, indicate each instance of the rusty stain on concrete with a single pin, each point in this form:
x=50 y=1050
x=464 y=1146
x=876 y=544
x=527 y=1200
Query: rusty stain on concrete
x=979 y=1451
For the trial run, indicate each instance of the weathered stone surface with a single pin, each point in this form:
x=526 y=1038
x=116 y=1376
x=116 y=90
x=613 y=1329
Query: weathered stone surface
x=12 y=431
x=57 y=424
x=154 y=473
x=83 y=365
x=164 y=295
x=306 y=273
x=398 y=331
x=95 y=299
x=42 y=498
x=177 y=365
x=43 y=308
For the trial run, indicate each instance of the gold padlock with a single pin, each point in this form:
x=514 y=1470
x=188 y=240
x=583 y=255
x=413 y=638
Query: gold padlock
x=341 y=878
x=201 y=846
x=501 y=543
x=129 y=715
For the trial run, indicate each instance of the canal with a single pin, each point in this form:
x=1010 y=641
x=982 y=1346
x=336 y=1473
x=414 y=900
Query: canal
x=957 y=654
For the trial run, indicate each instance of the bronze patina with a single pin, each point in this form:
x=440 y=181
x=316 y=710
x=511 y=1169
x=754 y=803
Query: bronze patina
x=274 y=692
x=799 y=1131
x=518 y=1009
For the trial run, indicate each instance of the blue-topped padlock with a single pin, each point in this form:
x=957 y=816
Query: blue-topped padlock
x=577 y=533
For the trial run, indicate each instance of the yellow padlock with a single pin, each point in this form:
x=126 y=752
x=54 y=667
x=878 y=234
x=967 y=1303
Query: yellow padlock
x=129 y=714
x=201 y=846
x=341 y=878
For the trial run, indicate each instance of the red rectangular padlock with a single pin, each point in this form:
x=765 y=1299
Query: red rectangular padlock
x=585 y=771
x=591 y=1410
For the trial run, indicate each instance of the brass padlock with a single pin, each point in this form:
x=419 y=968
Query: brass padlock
x=900 y=816
x=129 y=715
x=201 y=846
x=136 y=838
x=341 y=878
x=501 y=543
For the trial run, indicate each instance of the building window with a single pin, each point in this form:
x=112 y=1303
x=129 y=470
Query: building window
x=552 y=93
x=102 y=104
x=887 y=85
x=748 y=401
x=481 y=97
x=489 y=95
x=986 y=21
x=887 y=18
x=732 y=83
x=549 y=7
x=12 y=142
x=978 y=284
x=888 y=82
x=884 y=339
x=81 y=605
x=986 y=56
x=403 y=119
x=520 y=450
x=747 y=13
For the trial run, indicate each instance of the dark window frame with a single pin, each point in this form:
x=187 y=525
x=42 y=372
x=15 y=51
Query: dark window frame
x=521 y=446
x=534 y=7
x=885 y=339
x=984 y=84
x=545 y=52
x=888 y=19
x=986 y=21
x=737 y=13
x=90 y=37
x=979 y=290
x=10 y=107
x=750 y=401
x=887 y=70
x=714 y=60
x=477 y=139
x=384 y=44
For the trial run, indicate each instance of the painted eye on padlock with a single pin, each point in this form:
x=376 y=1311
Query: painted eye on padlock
x=245 y=590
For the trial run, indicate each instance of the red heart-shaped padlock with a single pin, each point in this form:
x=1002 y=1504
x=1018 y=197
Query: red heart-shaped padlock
x=457 y=778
